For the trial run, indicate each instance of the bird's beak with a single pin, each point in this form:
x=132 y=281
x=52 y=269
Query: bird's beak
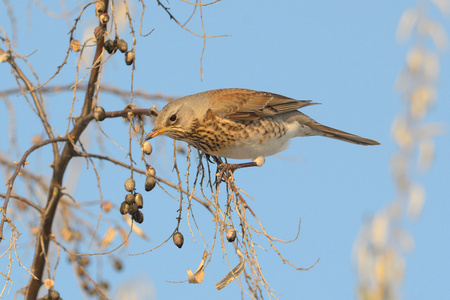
x=155 y=132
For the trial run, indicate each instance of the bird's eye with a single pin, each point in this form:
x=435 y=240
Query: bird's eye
x=173 y=118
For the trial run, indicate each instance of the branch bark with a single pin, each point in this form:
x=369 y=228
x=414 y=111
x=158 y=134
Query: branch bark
x=59 y=168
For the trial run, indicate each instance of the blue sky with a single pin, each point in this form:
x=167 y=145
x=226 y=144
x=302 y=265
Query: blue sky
x=341 y=54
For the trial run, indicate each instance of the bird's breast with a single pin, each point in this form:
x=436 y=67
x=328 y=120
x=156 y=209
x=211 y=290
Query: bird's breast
x=239 y=139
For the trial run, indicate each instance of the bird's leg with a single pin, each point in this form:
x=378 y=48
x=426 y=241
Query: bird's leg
x=208 y=157
x=225 y=167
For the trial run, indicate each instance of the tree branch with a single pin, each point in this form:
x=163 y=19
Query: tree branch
x=59 y=169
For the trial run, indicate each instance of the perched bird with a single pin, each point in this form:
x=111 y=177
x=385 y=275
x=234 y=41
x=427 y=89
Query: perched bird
x=242 y=124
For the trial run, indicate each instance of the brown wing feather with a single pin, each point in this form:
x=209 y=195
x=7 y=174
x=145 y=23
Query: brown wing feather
x=243 y=104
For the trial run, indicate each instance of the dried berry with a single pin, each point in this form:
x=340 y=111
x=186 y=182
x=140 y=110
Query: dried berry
x=99 y=32
x=49 y=284
x=122 y=45
x=138 y=217
x=130 y=184
x=84 y=260
x=124 y=207
x=5 y=55
x=129 y=57
x=129 y=198
x=110 y=46
x=178 y=239
x=54 y=295
x=139 y=200
x=80 y=271
x=107 y=206
x=104 y=285
x=150 y=171
x=104 y=18
x=147 y=148
x=92 y=291
x=75 y=45
x=118 y=265
x=100 y=7
x=231 y=234
x=99 y=113
x=150 y=183
x=132 y=209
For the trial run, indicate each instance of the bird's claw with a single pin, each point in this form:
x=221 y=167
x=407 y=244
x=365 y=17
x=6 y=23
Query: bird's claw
x=225 y=167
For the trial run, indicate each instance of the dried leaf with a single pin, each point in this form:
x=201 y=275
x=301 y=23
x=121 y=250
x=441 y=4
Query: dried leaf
x=407 y=22
x=198 y=276
x=49 y=284
x=380 y=228
x=416 y=201
x=426 y=154
x=109 y=237
x=67 y=233
x=234 y=273
x=136 y=228
x=124 y=235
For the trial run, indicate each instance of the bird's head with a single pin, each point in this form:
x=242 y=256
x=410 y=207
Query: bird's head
x=174 y=121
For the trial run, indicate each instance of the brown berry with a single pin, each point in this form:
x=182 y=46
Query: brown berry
x=104 y=285
x=80 y=271
x=104 y=18
x=100 y=7
x=99 y=32
x=178 y=239
x=150 y=171
x=75 y=45
x=139 y=200
x=107 y=206
x=118 y=265
x=84 y=260
x=138 y=216
x=130 y=184
x=129 y=198
x=150 y=183
x=110 y=46
x=124 y=207
x=99 y=113
x=122 y=45
x=132 y=209
x=129 y=57
x=147 y=148
x=231 y=234
x=54 y=295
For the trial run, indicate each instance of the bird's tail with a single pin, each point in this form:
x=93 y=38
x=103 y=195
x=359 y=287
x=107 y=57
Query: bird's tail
x=341 y=135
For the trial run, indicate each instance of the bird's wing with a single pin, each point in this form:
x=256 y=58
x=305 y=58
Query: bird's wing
x=243 y=104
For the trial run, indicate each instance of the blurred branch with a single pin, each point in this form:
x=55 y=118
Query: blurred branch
x=24 y=172
x=19 y=165
x=37 y=101
x=103 y=88
x=24 y=200
x=383 y=240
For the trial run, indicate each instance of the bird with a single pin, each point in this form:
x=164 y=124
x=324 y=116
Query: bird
x=241 y=123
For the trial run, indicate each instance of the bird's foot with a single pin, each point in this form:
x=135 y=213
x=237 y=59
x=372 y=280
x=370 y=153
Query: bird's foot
x=226 y=168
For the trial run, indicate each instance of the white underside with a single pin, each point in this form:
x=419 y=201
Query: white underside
x=252 y=148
